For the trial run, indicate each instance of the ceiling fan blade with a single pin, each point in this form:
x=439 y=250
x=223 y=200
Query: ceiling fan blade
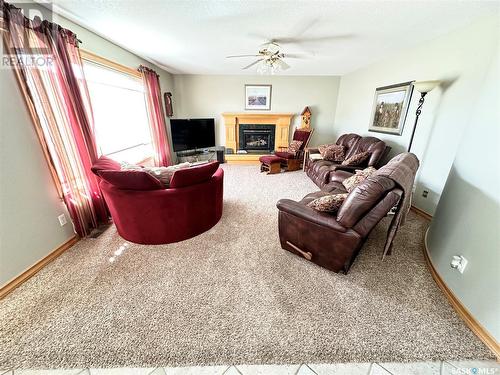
x=312 y=39
x=297 y=55
x=252 y=64
x=232 y=56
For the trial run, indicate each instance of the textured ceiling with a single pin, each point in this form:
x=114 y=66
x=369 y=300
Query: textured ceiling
x=195 y=36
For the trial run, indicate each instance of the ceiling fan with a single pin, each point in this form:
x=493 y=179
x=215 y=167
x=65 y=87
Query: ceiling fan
x=270 y=57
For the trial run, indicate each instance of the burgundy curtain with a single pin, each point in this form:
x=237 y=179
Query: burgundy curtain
x=156 y=117
x=48 y=67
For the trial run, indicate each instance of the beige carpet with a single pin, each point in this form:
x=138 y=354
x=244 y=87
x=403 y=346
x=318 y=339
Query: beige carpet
x=230 y=296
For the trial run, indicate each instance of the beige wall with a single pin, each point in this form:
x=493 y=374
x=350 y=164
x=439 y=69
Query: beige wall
x=211 y=95
x=467 y=218
x=461 y=59
x=29 y=204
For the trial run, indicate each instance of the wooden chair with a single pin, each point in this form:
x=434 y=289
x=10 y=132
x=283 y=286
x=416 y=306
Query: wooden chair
x=290 y=161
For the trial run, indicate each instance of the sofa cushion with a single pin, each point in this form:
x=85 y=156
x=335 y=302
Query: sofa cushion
x=334 y=188
x=332 y=152
x=131 y=180
x=193 y=175
x=328 y=203
x=105 y=163
x=357 y=159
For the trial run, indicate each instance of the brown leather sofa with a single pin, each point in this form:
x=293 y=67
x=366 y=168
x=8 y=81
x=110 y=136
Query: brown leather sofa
x=319 y=170
x=333 y=240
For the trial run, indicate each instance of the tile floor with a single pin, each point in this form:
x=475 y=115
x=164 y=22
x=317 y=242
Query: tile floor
x=418 y=368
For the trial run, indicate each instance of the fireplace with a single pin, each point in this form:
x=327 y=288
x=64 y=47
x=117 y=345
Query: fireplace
x=256 y=138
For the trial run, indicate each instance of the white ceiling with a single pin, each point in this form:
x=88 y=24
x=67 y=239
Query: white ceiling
x=194 y=36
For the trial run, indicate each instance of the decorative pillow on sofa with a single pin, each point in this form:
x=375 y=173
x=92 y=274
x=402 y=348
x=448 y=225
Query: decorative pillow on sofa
x=105 y=164
x=332 y=152
x=164 y=174
x=356 y=179
x=328 y=203
x=294 y=147
x=357 y=159
x=125 y=166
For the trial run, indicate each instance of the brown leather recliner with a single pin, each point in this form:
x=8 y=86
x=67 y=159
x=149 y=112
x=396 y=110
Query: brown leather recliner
x=319 y=170
x=333 y=241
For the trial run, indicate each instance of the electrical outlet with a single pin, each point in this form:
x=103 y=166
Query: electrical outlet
x=425 y=193
x=62 y=220
x=459 y=263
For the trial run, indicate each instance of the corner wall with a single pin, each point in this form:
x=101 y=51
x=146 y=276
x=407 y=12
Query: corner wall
x=461 y=59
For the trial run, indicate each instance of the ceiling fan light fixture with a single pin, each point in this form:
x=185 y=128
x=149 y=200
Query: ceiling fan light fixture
x=269 y=66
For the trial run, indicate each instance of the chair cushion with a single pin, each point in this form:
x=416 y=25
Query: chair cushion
x=294 y=147
x=303 y=136
x=193 y=175
x=131 y=180
x=105 y=164
x=284 y=155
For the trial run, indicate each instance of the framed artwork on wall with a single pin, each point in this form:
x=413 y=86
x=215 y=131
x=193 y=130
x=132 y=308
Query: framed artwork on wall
x=390 y=107
x=258 y=97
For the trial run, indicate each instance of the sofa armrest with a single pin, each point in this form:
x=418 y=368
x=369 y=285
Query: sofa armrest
x=309 y=214
x=312 y=150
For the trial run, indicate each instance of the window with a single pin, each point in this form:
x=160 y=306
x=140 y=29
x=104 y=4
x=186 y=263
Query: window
x=120 y=115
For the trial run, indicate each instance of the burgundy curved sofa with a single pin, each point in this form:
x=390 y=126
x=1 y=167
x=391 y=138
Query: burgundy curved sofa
x=146 y=212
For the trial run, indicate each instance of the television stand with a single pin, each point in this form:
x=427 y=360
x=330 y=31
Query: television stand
x=196 y=156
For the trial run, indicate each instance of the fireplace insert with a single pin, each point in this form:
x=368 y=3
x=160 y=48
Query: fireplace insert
x=256 y=138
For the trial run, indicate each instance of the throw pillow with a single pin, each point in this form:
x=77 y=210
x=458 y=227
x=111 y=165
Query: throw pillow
x=356 y=179
x=294 y=147
x=357 y=159
x=332 y=152
x=164 y=174
x=322 y=148
x=125 y=166
x=328 y=203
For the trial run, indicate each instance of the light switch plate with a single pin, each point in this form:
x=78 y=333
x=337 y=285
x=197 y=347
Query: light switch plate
x=62 y=220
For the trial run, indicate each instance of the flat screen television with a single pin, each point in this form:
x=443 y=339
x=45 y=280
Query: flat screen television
x=190 y=134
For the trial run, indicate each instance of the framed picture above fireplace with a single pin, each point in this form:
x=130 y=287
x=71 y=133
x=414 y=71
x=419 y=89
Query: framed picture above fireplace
x=258 y=97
